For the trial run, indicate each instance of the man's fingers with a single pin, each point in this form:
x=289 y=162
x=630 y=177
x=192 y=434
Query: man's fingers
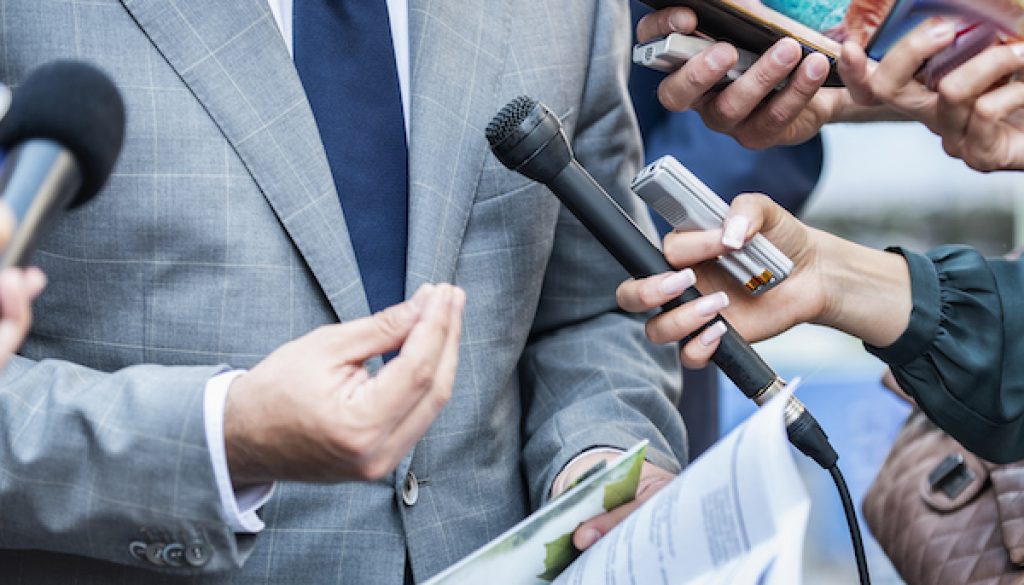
x=855 y=69
x=404 y=381
x=640 y=295
x=777 y=114
x=684 y=320
x=988 y=145
x=687 y=87
x=736 y=102
x=592 y=530
x=384 y=331
x=664 y=22
x=412 y=428
x=967 y=84
x=896 y=71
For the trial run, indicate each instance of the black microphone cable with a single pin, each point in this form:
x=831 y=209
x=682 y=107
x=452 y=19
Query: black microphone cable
x=528 y=138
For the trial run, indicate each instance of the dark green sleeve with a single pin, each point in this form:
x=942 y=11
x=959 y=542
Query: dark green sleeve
x=962 y=355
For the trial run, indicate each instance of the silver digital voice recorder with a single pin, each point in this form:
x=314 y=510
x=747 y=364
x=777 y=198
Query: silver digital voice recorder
x=687 y=203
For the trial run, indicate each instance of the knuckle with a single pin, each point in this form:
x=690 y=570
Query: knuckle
x=986 y=110
x=373 y=470
x=953 y=92
x=423 y=376
x=668 y=98
x=387 y=323
x=776 y=117
x=653 y=331
x=692 y=356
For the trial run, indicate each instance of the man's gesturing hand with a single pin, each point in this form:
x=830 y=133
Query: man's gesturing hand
x=310 y=411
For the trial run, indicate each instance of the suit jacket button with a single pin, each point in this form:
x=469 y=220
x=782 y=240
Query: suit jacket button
x=410 y=490
x=198 y=553
x=174 y=554
x=155 y=554
x=138 y=550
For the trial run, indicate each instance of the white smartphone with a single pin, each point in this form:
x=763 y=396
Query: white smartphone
x=687 y=203
x=666 y=54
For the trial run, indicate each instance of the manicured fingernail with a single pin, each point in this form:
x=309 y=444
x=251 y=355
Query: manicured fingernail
x=817 y=68
x=710 y=305
x=1018 y=50
x=718 y=57
x=589 y=537
x=942 y=30
x=786 y=54
x=678 y=282
x=735 y=231
x=712 y=334
x=678 y=22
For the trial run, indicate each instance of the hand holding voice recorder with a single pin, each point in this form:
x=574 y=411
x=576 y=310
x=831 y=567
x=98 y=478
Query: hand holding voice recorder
x=687 y=203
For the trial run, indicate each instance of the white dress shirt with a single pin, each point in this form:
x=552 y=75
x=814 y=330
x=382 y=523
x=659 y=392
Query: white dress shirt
x=239 y=507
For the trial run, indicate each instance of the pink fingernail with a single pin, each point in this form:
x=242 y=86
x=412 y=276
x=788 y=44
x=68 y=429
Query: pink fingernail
x=678 y=282
x=679 y=23
x=817 y=68
x=717 y=57
x=786 y=54
x=712 y=334
x=1018 y=50
x=710 y=305
x=735 y=231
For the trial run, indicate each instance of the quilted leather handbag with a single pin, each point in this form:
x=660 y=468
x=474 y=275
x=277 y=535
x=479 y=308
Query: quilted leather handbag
x=945 y=516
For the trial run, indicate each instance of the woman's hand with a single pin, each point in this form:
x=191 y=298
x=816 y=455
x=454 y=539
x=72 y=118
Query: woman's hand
x=976 y=108
x=837 y=283
x=18 y=288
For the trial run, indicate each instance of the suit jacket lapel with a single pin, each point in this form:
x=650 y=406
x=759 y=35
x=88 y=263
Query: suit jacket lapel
x=233 y=59
x=456 y=57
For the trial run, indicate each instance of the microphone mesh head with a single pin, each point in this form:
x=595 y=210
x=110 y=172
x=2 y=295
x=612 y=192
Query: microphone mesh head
x=509 y=118
x=79 y=107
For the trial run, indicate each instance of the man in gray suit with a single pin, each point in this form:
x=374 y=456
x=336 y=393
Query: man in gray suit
x=187 y=353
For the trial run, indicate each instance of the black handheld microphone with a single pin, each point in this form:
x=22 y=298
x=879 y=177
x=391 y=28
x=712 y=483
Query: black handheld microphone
x=61 y=136
x=528 y=138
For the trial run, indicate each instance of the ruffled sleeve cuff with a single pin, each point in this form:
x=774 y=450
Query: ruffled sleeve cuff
x=924 y=318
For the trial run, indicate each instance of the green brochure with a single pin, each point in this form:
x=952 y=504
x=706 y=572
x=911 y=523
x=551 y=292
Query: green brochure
x=539 y=548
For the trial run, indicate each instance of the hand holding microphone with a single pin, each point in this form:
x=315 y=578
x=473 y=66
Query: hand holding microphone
x=528 y=138
x=60 y=136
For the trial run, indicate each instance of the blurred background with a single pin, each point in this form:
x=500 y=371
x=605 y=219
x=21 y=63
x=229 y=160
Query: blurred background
x=880 y=184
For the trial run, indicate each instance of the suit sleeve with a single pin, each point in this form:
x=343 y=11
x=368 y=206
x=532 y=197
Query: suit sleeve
x=590 y=377
x=960 y=357
x=102 y=464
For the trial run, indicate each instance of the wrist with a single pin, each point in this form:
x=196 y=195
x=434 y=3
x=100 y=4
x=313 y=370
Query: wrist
x=867 y=292
x=239 y=444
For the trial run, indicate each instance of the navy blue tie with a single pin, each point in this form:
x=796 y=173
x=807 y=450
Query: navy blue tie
x=346 y=61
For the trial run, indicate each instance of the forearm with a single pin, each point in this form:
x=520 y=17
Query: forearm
x=94 y=457
x=867 y=291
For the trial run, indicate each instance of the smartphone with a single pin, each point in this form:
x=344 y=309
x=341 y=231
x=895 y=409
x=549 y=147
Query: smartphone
x=688 y=204
x=666 y=54
x=753 y=26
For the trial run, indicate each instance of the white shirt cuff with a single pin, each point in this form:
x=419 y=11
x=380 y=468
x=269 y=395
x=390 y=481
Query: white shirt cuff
x=238 y=507
x=559 y=484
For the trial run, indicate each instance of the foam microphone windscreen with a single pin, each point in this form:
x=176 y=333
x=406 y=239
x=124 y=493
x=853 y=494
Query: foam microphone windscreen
x=77 y=106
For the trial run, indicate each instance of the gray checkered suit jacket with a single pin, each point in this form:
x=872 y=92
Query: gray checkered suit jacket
x=220 y=237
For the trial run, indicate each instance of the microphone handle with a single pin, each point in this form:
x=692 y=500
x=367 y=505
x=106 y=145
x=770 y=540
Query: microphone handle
x=38 y=180
x=620 y=235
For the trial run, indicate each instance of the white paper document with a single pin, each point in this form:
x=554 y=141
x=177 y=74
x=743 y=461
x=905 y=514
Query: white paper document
x=735 y=516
